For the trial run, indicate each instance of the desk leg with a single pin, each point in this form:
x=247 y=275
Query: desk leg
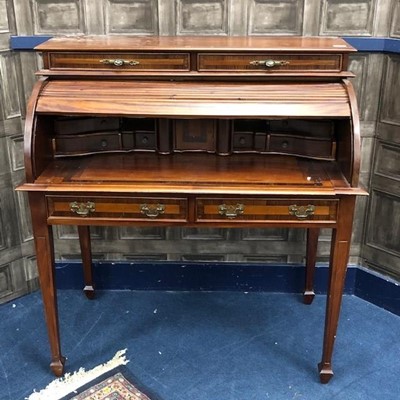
x=86 y=252
x=45 y=261
x=311 y=258
x=340 y=249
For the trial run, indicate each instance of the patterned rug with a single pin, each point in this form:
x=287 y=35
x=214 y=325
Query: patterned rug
x=114 y=385
x=108 y=381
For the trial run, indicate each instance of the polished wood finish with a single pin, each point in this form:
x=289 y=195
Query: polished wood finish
x=130 y=61
x=266 y=210
x=196 y=43
x=133 y=209
x=179 y=131
x=341 y=238
x=311 y=259
x=191 y=56
x=43 y=236
x=195 y=99
x=86 y=251
x=256 y=61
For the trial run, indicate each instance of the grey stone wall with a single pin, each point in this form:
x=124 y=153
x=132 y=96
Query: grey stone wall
x=376 y=84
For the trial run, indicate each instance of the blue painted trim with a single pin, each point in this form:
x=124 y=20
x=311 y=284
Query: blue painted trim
x=27 y=42
x=392 y=46
x=378 y=289
x=374 y=44
x=284 y=278
x=368 y=44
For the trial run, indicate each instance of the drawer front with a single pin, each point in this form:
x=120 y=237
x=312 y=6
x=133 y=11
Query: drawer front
x=123 y=208
x=194 y=134
x=302 y=146
x=264 y=210
x=269 y=62
x=66 y=145
x=120 y=61
x=79 y=125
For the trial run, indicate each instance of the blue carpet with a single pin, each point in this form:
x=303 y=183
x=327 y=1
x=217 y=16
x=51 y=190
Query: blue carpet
x=207 y=345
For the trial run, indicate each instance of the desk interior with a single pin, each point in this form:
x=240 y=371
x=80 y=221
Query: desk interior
x=195 y=169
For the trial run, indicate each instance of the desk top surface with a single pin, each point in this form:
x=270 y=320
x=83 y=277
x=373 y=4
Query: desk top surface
x=196 y=43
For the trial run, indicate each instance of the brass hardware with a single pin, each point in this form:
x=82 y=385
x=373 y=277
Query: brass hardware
x=269 y=63
x=152 y=210
x=301 y=212
x=231 y=211
x=119 y=62
x=82 y=209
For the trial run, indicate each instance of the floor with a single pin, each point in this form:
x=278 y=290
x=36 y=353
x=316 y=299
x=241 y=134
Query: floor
x=207 y=345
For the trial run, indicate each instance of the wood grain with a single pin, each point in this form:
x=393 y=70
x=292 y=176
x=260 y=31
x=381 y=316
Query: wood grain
x=173 y=43
x=194 y=99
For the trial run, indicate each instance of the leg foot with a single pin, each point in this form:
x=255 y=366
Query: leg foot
x=325 y=372
x=308 y=296
x=89 y=292
x=57 y=366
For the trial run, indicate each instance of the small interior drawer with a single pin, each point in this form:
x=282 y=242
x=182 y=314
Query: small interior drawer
x=73 y=125
x=122 y=208
x=90 y=143
x=268 y=62
x=304 y=138
x=195 y=135
x=264 y=210
x=302 y=146
x=119 y=61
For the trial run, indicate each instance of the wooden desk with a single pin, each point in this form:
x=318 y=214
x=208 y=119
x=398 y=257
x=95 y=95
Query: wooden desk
x=193 y=131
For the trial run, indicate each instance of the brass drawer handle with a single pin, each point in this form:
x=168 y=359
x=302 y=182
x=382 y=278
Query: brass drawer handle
x=231 y=211
x=152 y=210
x=301 y=212
x=82 y=209
x=118 y=62
x=269 y=63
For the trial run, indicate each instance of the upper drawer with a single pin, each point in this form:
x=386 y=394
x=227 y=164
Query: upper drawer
x=257 y=62
x=63 y=208
x=119 y=61
x=265 y=210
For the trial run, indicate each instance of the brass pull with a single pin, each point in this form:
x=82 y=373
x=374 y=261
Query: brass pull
x=152 y=210
x=269 y=63
x=231 y=211
x=82 y=209
x=301 y=212
x=119 y=62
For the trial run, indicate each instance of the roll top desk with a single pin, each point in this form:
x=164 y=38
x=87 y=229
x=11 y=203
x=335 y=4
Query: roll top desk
x=193 y=131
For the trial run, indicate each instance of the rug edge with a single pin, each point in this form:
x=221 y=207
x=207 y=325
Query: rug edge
x=60 y=387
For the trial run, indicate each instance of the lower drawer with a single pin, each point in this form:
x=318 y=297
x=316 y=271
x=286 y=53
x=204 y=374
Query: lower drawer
x=264 y=210
x=124 y=208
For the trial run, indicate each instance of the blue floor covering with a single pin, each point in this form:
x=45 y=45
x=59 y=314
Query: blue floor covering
x=207 y=345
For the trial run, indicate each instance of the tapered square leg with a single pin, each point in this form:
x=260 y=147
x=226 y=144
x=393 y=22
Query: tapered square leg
x=311 y=258
x=340 y=249
x=45 y=261
x=86 y=252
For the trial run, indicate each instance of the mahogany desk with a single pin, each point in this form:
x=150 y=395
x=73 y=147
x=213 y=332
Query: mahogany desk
x=193 y=131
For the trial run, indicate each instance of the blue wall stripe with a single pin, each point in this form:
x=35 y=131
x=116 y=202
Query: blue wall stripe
x=367 y=44
x=167 y=275
x=27 y=42
x=283 y=278
x=392 y=46
x=378 y=289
